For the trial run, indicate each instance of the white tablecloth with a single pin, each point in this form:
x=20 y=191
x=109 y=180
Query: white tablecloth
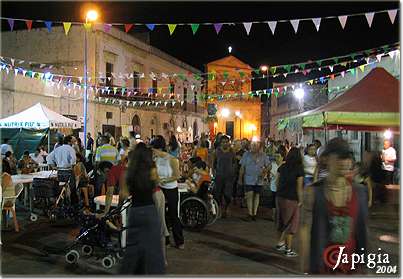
x=28 y=178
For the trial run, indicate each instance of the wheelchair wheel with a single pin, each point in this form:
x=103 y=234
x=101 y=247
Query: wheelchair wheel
x=214 y=212
x=193 y=213
x=107 y=262
x=87 y=250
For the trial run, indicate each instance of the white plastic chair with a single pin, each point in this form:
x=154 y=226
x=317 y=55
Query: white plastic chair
x=8 y=205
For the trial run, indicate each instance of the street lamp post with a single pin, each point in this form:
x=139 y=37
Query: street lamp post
x=90 y=17
x=265 y=116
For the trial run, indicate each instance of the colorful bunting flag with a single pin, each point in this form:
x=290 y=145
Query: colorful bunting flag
x=128 y=27
x=331 y=68
x=107 y=27
x=217 y=27
x=272 y=25
x=194 y=28
x=48 y=25
x=150 y=26
x=352 y=72
x=336 y=60
x=302 y=65
x=295 y=23
x=248 y=26
x=171 y=28
x=87 y=26
x=11 y=23
x=362 y=68
x=316 y=22
x=273 y=70
x=343 y=20
x=370 y=18
x=287 y=68
x=29 y=24
x=66 y=26
x=392 y=15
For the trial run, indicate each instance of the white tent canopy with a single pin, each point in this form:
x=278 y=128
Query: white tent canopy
x=38 y=117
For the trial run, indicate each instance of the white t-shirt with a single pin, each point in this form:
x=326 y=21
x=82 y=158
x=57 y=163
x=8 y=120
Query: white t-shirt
x=388 y=154
x=309 y=165
x=5 y=147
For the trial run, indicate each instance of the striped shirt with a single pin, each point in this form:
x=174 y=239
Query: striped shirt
x=107 y=152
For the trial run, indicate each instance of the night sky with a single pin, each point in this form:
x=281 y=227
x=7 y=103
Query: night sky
x=259 y=48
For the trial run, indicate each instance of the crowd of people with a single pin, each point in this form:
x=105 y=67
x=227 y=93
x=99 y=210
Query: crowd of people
x=315 y=188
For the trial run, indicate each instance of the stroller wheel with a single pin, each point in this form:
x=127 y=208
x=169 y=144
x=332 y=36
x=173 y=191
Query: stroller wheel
x=52 y=216
x=119 y=255
x=107 y=262
x=87 y=250
x=33 y=217
x=72 y=257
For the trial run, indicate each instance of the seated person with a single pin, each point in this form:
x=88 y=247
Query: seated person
x=82 y=179
x=37 y=156
x=190 y=164
x=98 y=177
x=26 y=164
x=200 y=176
x=9 y=164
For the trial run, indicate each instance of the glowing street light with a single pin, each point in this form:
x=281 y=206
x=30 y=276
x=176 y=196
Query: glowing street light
x=264 y=68
x=238 y=114
x=225 y=112
x=229 y=49
x=92 y=15
x=299 y=93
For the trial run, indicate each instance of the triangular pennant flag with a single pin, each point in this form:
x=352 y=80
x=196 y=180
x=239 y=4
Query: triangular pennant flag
x=362 y=68
x=316 y=21
x=272 y=25
x=248 y=26
x=12 y=61
x=379 y=57
x=287 y=68
x=367 y=59
x=11 y=23
x=295 y=23
x=392 y=15
x=87 y=26
x=392 y=54
x=319 y=62
x=48 y=25
x=128 y=27
x=273 y=70
x=285 y=75
x=352 y=71
x=336 y=60
x=150 y=26
x=194 y=28
x=331 y=68
x=107 y=27
x=305 y=72
x=344 y=64
x=171 y=28
x=302 y=65
x=66 y=26
x=343 y=20
x=29 y=24
x=217 y=27
x=370 y=18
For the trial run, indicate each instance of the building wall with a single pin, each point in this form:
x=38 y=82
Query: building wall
x=249 y=122
x=128 y=54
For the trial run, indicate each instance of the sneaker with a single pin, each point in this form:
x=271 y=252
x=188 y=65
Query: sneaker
x=249 y=218
x=290 y=253
x=281 y=247
x=181 y=247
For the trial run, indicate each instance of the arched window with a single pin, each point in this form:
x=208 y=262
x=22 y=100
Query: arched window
x=136 y=124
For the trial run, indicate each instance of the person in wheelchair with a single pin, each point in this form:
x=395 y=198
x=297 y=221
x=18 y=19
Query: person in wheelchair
x=200 y=179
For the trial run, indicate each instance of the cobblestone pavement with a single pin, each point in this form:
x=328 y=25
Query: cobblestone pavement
x=228 y=247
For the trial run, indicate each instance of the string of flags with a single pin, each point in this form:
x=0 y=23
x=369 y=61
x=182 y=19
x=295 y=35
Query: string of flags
x=194 y=27
x=303 y=68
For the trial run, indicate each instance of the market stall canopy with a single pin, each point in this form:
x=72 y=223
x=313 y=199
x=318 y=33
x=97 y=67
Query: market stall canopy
x=38 y=117
x=372 y=102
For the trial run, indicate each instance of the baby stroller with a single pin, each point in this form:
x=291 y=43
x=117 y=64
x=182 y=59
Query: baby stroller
x=99 y=233
x=200 y=209
x=55 y=195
